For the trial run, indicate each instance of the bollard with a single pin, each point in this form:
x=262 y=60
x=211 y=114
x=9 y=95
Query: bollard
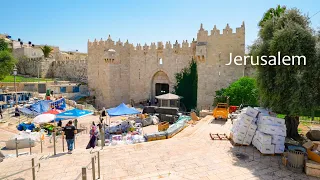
x=98 y=165
x=17 y=154
x=54 y=143
x=33 y=169
x=84 y=173
x=30 y=145
x=93 y=169
x=62 y=143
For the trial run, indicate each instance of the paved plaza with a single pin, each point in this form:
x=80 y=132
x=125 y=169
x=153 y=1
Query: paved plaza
x=189 y=155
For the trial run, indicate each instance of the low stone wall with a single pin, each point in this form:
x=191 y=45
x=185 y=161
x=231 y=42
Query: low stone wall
x=75 y=70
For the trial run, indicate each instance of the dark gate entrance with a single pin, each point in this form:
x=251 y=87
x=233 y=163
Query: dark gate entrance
x=41 y=88
x=162 y=89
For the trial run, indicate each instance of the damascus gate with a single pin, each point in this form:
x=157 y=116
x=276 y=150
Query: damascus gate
x=121 y=72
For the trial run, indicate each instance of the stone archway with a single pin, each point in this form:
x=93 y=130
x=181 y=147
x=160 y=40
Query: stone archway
x=160 y=84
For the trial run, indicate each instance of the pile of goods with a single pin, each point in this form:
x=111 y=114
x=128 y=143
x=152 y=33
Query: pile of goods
x=271 y=134
x=261 y=128
x=244 y=127
x=170 y=130
x=25 y=139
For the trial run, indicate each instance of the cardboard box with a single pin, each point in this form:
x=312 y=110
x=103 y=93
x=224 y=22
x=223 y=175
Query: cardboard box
x=278 y=149
x=312 y=168
x=278 y=121
x=245 y=118
x=237 y=139
x=250 y=132
x=253 y=127
x=252 y=112
x=274 y=130
x=242 y=123
x=282 y=132
x=267 y=149
x=254 y=140
x=310 y=146
x=248 y=139
x=278 y=140
x=265 y=119
x=264 y=138
x=241 y=130
x=239 y=136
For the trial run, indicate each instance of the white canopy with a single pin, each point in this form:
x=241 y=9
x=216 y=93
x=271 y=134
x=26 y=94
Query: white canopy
x=168 y=96
x=44 y=118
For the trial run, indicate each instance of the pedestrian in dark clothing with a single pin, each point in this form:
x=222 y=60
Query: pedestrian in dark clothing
x=76 y=123
x=93 y=137
x=1 y=113
x=70 y=131
x=60 y=123
x=17 y=112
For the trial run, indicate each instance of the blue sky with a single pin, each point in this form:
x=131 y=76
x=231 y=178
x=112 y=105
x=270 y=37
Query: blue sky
x=69 y=24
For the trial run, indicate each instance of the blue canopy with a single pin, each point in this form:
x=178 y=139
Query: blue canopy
x=122 y=109
x=73 y=114
x=41 y=106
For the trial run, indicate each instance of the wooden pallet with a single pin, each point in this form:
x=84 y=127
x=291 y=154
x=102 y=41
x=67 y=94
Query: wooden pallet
x=276 y=154
x=216 y=136
x=236 y=144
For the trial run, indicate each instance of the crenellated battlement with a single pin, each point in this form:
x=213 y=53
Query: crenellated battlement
x=227 y=31
x=138 y=47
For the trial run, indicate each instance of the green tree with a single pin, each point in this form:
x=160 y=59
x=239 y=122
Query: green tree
x=272 y=14
x=294 y=89
x=7 y=62
x=46 y=50
x=187 y=85
x=3 y=45
x=242 y=91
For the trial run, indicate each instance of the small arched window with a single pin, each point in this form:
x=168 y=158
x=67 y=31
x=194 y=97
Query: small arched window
x=160 y=61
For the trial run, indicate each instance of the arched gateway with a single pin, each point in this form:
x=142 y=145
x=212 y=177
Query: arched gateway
x=160 y=84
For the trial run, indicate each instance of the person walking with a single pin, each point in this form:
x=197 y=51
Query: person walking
x=75 y=123
x=69 y=130
x=93 y=137
x=1 y=112
x=60 y=123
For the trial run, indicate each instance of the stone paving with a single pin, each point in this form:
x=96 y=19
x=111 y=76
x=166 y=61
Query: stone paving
x=189 y=155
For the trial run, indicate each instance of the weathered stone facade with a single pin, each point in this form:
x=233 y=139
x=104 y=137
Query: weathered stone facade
x=66 y=65
x=120 y=72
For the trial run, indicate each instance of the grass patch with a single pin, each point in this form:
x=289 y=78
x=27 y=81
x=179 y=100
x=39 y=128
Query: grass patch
x=299 y=130
x=24 y=79
x=300 y=117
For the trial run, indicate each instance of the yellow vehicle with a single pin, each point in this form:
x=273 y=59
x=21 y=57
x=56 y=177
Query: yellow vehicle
x=221 y=111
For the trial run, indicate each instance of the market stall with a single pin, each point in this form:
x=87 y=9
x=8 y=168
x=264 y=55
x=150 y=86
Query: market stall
x=73 y=114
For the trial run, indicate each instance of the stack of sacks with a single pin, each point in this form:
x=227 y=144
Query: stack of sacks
x=271 y=133
x=244 y=128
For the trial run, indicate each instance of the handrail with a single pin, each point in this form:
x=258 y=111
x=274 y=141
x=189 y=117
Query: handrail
x=93 y=160
x=37 y=165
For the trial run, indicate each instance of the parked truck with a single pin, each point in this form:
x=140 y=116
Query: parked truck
x=221 y=111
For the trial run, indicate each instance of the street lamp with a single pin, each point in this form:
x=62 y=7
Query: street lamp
x=14 y=74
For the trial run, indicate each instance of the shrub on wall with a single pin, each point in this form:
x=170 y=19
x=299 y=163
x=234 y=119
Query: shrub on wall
x=187 y=85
